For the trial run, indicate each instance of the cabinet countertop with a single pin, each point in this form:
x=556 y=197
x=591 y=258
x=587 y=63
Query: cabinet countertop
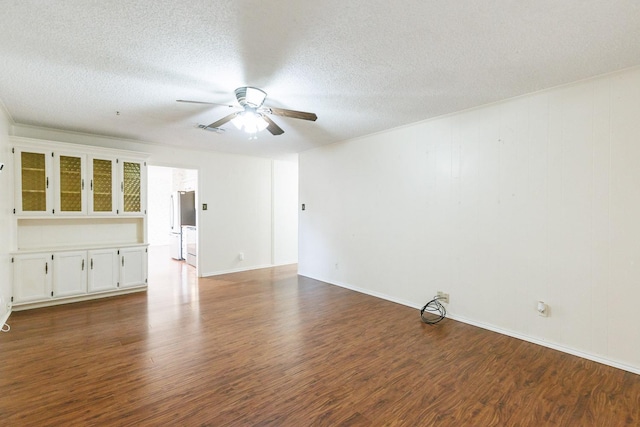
x=77 y=248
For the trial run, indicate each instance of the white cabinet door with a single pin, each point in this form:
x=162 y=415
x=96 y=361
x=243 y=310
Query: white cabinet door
x=69 y=183
x=133 y=266
x=103 y=185
x=32 y=277
x=33 y=181
x=133 y=183
x=103 y=270
x=69 y=273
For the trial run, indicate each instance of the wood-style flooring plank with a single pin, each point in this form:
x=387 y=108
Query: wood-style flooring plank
x=270 y=348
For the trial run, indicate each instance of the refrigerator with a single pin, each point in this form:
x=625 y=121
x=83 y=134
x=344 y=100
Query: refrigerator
x=183 y=213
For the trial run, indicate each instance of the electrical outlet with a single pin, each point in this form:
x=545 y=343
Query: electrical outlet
x=442 y=297
x=542 y=308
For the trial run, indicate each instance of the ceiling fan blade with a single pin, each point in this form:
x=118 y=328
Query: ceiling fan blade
x=202 y=102
x=223 y=120
x=291 y=113
x=272 y=127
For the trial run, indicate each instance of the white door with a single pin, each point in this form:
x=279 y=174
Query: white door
x=32 y=277
x=69 y=273
x=103 y=270
x=133 y=266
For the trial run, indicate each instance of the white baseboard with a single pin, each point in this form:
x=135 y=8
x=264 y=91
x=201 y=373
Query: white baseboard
x=87 y=297
x=283 y=264
x=4 y=318
x=492 y=328
x=236 y=270
x=547 y=344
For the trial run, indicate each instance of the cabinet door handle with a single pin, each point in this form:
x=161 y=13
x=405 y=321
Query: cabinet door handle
x=91 y=185
x=83 y=265
x=92 y=263
x=83 y=183
x=47 y=182
x=46 y=268
x=123 y=260
x=122 y=186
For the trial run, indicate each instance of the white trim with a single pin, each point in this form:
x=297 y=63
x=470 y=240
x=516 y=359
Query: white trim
x=482 y=106
x=239 y=270
x=75 y=137
x=56 y=249
x=547 y=344
x=488 y=327
x=24 y=142
x=85 y=297
x=273 y=221
x=236 y=270
x=363 y=291
x=282 y=264
x=5 y=318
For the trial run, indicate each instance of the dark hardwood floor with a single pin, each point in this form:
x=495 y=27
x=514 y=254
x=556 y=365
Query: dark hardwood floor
x=269 y=348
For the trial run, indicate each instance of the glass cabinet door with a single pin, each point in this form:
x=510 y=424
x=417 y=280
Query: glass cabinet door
x=34 y=182
x=33 y=189
x=70 y=189
x=131 y=187
x=103 y=181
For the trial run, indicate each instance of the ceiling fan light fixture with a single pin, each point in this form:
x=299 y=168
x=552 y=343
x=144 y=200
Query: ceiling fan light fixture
x=250 y=121
x=261 y=123
x=238 y=122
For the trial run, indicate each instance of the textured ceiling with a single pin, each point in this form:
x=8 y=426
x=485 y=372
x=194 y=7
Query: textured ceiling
x=361 y=65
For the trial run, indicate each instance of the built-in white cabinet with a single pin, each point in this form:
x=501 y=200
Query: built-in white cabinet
x=80 y=222
x=54 y=276
x=104 y=270
x=69 y=273
x=61 y=181
x=133 y=267
x=32 y=277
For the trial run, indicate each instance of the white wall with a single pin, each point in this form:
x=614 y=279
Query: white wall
x=6 y=206
x=285 y=212
x=237 y=189
x=160 y=182
x=184 y=180
x=534 y=198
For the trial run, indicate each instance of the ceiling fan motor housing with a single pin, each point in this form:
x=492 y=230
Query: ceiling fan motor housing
x=250 y=96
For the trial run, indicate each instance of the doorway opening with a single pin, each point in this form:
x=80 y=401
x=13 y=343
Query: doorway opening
x=172 y=218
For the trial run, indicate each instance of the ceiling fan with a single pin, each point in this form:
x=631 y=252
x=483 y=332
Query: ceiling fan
x=254 y=115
